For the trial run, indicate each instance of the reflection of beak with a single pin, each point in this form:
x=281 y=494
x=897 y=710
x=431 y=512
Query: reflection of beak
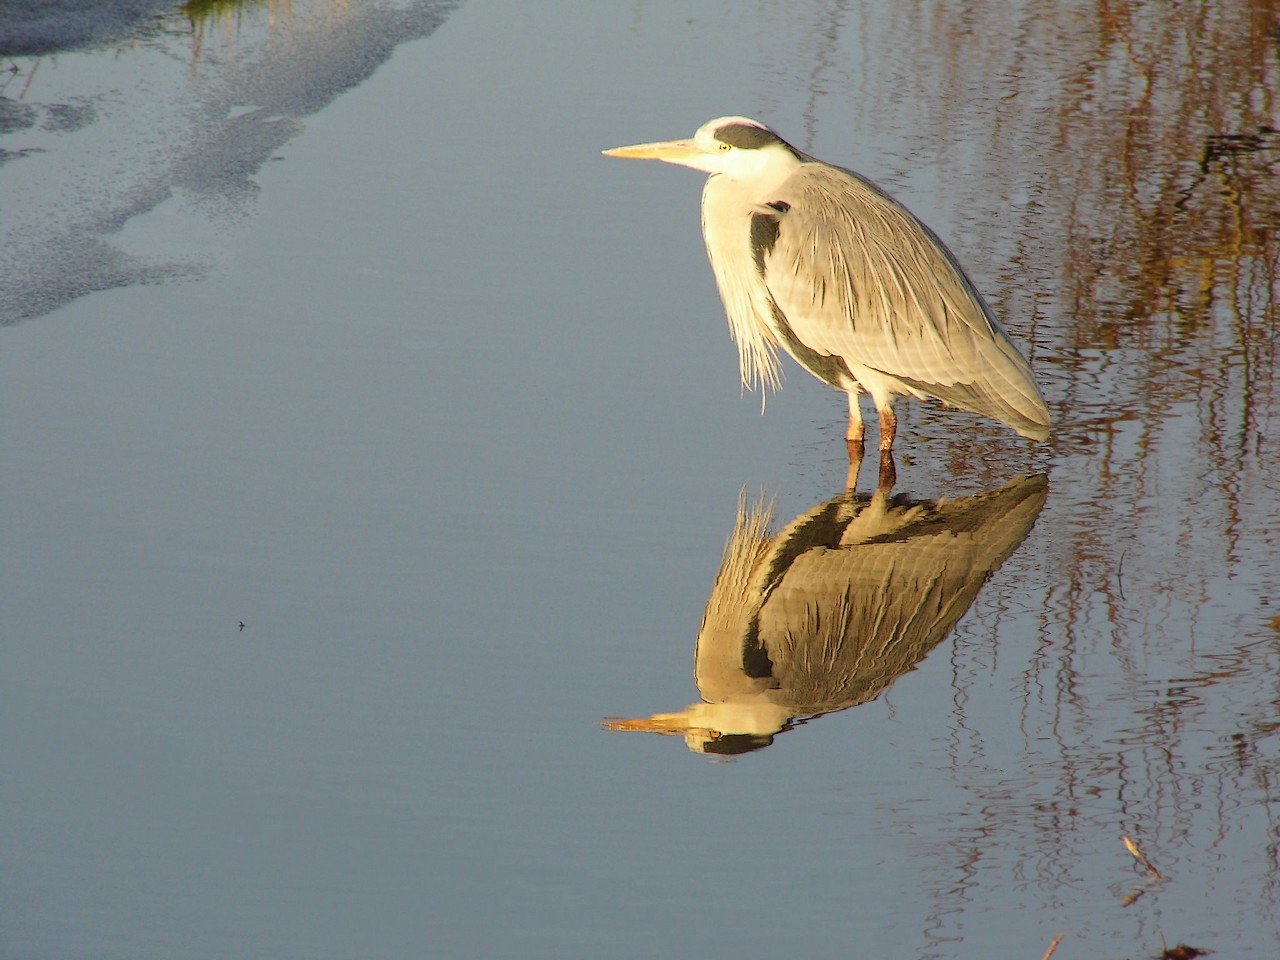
x=672 y=151
x=666 y=723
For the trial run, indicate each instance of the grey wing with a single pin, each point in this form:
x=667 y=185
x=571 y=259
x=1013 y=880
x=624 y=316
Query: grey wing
x=856 y=276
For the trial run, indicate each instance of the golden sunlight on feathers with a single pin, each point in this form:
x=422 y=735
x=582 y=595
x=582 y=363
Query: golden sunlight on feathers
x=819 y=261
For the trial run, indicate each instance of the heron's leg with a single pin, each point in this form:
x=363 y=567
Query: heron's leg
x=888 y=472
x=853 y=439
x=853 y=436
x=855 y=464
x=888 y=430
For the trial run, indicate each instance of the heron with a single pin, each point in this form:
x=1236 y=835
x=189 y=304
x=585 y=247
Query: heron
x=821 y=262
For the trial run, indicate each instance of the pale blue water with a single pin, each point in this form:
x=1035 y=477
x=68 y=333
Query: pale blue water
x=395 y=369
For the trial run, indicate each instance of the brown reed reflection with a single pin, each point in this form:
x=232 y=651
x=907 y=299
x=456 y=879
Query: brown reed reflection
x=1154 y=223
x=827 y=613
x=1119 y=165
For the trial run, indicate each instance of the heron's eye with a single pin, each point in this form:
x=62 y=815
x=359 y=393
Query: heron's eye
x=725 y=147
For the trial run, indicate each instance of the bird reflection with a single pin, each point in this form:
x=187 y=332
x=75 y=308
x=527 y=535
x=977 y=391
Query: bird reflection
x=826 y=614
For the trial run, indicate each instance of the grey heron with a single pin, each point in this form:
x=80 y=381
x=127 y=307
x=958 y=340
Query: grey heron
x=821 y=262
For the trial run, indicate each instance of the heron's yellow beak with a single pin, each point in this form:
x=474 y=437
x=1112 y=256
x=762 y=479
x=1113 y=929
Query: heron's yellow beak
x=672 y=151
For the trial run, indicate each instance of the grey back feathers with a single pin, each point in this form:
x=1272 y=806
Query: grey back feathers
x=828 y=261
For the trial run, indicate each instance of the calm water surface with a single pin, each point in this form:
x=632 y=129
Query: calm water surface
x=329 y=320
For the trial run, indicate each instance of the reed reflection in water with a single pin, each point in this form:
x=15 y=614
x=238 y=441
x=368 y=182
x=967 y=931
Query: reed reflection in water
x=827 y=613
x=1114 y=172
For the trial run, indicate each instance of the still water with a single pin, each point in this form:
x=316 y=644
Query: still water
x=369 y=439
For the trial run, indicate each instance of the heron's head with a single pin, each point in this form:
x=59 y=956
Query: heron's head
x=736 y=147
